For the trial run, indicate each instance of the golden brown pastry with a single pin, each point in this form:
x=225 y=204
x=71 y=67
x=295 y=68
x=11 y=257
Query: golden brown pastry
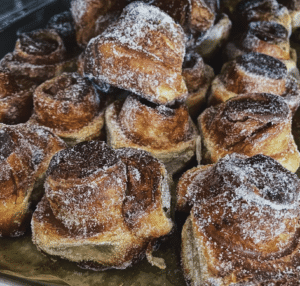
x=202 y=14
x=86 y=13
x=198 y=77
x=39 y=55
x=263 y=10
x=15 y=98
x=141 y=52
x=25 y=153
x=264 y=37
x=255 y=73
x=249 y=124
x=71 y=107
x=167 y=133
x=102 y=207
x=244 y=224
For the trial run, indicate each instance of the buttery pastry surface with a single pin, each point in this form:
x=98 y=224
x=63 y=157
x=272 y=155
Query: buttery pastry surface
x=25 y=153
x=244 y=224
x=249 y=124
x=102 y=206
x=71 y=107
x=141 y=52
x=255 y=73
x=39 y=55
x=15 y=98
x=167 y=133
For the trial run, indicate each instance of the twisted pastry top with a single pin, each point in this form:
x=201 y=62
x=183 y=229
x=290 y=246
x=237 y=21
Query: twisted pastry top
x=153 y=125
x=66 y=102
x=142 y=52
x=245 y=210
x=93 y=189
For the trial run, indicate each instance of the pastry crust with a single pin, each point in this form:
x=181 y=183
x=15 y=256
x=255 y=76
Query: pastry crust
x=168 y=134
x=141 y=52
x=246 y=231
x=198 y=77
x=249 y=124
x=263 y=10
x=15 y=98
x=25 y=154
x=71 y=107
x=124 y=205
x=255 y=73
x=39 y=55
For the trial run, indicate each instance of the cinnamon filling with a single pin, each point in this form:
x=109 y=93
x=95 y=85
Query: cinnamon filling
x=262 y=65
x=268 y=31
x=73 y=162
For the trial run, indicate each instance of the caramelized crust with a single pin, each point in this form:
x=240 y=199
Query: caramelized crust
x=25 y=153
x=167 y=133
x=39 y=55
x=107 y=206
x=268 y=38
x=142 y=52
x=255 y=73
x=70 y=106
x=202 y=14
x=86 y=13
x=263 y=10
x=247 y=229
x=15 y=98
x=198 y=77
x=249 y=124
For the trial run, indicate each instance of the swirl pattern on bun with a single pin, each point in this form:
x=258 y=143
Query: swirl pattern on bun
x=249 y=124
x=167 y=133
x=25 y=153
x=244 y=223
x=39 y=55
x=102 y=207
x=71 y=107
x=255 y=73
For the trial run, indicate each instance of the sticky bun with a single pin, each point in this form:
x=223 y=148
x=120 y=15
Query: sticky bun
x=142 y=52
x=268 y=38
x=71 y=107
x=64 y=25
x=255 y=73
x=15 y=98
x=167 y=133
x=25 y=153
x=198 y=77
x=249 y=124
x=39 y=55
x=263 y=10
x=244 y=223
x=102 y=207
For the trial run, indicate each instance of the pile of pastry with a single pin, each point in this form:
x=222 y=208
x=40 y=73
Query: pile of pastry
x=105 y=106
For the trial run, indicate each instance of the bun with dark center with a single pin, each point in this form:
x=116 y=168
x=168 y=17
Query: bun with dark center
x=64 y=25
x=102 y=208
x=255 y=73
x=141 y=52
x=167 y=133
x=71 y=107
x=25 y=153
x=15 y=98
x=198 y=77
x=244 y=223
x=39 y=55
x=263 y=10
x=249 y=124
